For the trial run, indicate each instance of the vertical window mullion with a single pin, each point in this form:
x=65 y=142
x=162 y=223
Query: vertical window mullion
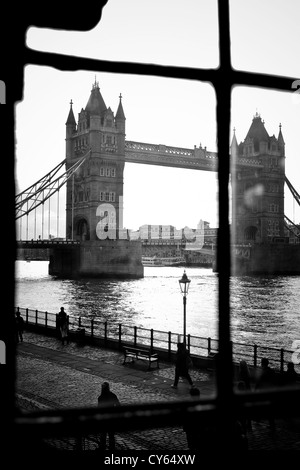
x=223 y=87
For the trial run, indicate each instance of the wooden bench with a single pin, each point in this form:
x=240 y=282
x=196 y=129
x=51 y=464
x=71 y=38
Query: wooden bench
x=140 y=353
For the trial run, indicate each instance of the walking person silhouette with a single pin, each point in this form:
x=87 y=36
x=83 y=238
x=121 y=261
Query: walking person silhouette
x=62 y=321
x=19 y=325
x=182 y=364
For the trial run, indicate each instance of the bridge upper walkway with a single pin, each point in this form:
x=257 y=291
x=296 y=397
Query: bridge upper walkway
x=197 y=158
x=135 y=152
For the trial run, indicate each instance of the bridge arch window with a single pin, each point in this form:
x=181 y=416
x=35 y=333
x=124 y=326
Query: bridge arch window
x=102 y=171
x=113 y=172
x=112 y=197
x=250 y=233
x=102 y=196
x=112 y=218
x=108 y=172
x=249 y=150
x=82 y=230
x=274 y=208
x=107 y=196
x=273 y=162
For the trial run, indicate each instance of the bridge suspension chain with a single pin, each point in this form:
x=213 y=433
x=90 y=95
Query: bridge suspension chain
x=44 y=188
x=296 y=231
x=295 y=194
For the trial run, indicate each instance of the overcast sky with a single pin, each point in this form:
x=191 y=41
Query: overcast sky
x=265 y=37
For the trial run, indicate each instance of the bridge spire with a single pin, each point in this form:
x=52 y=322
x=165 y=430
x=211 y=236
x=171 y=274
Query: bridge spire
x=281 y=142
x=234 y=144
x=95 y=84
x=120 y=116
x=71 y=119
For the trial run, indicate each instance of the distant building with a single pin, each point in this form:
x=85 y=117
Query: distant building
x=165 y=233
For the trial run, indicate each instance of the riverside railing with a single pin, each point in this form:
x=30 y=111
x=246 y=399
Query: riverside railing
x=156 y=339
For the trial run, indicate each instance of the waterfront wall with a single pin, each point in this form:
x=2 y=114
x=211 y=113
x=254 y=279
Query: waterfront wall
x=111 y=335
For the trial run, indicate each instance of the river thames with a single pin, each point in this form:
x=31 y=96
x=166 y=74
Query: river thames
x=265 y=309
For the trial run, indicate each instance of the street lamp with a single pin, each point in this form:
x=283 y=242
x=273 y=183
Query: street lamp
x=184 y=284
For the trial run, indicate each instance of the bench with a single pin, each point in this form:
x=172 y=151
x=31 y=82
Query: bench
x=140 y=353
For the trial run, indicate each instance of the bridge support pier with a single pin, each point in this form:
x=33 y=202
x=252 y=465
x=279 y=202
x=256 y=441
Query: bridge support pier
x=273 y=258
x=64 y=261
x=111 y=258
x=99 y=258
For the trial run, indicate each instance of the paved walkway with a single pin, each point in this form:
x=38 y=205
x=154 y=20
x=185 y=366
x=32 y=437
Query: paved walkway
x=53 y=376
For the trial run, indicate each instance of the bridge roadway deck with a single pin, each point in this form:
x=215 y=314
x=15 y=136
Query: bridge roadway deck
x=50 y=375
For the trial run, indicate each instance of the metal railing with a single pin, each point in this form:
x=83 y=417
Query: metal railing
x=160 y=340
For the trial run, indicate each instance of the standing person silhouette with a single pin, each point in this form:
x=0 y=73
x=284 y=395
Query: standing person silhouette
x=62 y=321
x=182 y=363
x=290 y=376
x=19 y=324
x=107 y=398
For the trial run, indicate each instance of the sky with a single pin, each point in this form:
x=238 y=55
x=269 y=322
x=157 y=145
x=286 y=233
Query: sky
x=264 y=37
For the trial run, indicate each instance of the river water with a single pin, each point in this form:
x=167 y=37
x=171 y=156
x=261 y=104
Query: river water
x=265 y=309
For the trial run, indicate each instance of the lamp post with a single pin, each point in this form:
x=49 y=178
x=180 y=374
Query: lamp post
x=184 y=284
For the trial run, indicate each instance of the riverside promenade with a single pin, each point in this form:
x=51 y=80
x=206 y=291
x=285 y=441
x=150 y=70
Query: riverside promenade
x=53 y=376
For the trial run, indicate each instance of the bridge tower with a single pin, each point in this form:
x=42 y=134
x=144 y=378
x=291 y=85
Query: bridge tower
x=94 y=206
x=95 y=194
x=258 y=177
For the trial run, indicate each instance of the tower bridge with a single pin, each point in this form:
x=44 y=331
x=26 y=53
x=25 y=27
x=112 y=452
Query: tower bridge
x=96 y=153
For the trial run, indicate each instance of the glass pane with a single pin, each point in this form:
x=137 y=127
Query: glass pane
x=265 y=229
x=169 y=32
x=169 y=203
x=265 y=36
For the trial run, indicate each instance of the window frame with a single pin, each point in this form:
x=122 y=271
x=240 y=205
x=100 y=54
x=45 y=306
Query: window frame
x=224 y=405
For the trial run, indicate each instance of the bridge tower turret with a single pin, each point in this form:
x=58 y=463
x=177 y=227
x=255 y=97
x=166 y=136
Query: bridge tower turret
x=95 y=193
x=70 y=130
x=120 y=125
x=258 y=177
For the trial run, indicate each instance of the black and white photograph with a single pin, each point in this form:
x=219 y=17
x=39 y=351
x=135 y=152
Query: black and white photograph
x=151 y=231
